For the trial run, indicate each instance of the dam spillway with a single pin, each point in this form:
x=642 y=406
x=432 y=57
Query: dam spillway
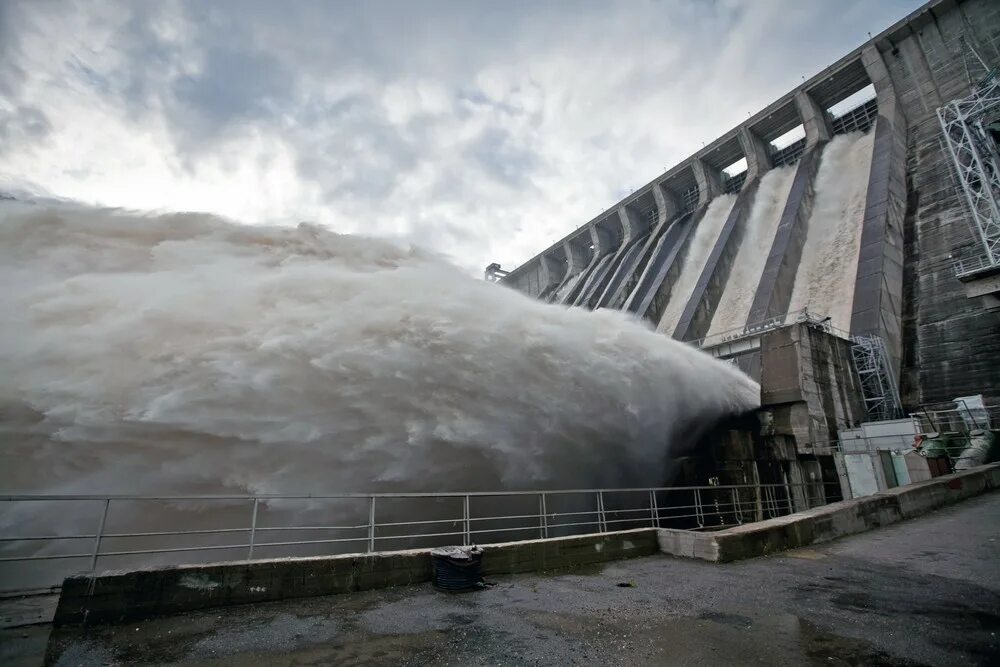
x=856 y=222
x=825 y=277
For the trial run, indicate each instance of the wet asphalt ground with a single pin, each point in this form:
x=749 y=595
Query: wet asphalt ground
x=921 y=592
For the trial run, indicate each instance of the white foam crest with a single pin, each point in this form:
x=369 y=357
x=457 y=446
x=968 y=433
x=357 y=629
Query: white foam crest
x=748 y=266
x=698 y=250
x=824 y=283
x=165 y=353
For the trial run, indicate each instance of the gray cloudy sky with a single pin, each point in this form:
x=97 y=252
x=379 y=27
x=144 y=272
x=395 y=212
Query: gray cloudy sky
x=484 y=130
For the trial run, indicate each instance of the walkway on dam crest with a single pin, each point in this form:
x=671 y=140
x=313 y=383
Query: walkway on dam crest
x=925 y=591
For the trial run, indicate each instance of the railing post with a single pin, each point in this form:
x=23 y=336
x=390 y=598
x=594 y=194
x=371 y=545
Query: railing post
x=466 y=521
x=602 y=520
x=654 y=510
x=543 y=518
x=100 y=532
x=371 y=524
x=253 y=528
x=737 y=508
x=699 y=513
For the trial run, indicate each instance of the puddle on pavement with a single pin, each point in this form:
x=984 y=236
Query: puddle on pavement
x=745 y=638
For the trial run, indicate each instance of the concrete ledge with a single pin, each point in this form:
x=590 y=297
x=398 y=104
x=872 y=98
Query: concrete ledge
x=115 y=597
x=830 y=521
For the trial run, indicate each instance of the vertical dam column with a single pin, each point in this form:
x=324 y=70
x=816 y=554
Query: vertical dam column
x=657 y=246
x=709 y=181
x=662 y=259
x=633 y=236
x=651 y=304
x=603 y=243
x=552 y=272
x=578 y=255
x=774 y=291
x=607 y=238
x=878 y=289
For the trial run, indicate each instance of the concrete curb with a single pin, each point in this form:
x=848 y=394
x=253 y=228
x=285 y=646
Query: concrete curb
x=830 y=521
x=119 y=596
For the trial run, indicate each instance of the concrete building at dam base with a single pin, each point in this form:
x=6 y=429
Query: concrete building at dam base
x=842 y=247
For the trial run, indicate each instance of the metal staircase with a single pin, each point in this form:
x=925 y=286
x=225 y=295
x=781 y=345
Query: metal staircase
x=878 y=385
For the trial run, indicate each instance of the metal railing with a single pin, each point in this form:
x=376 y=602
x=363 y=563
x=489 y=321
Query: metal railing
x=796 y=316
x=732 y=185
x=969 y=266
x=790 y=154
x=859 y=119
x=364 y=523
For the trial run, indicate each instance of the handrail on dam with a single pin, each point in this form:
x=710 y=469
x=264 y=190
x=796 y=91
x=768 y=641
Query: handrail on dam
x=509 y=515
x=803 y=316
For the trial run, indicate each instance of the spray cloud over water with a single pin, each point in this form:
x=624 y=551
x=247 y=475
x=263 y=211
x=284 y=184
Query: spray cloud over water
x=184 y=352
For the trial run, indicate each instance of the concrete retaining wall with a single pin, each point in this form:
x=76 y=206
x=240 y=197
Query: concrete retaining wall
x=115 y=597
x=830 y=521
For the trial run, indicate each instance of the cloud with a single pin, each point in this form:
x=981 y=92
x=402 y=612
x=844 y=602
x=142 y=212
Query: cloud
x=22 y=127
x=483 y=130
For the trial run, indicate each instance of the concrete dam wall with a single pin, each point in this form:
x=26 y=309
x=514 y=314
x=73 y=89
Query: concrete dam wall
x=856 y=219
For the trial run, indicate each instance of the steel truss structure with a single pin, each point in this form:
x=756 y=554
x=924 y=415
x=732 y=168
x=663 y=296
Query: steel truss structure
x=878 y=385
x=965 y=124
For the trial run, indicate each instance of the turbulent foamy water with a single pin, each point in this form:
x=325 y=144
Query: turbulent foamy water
x=178 y=352
x=700 y=247
x=824 y=283
x=737 y=298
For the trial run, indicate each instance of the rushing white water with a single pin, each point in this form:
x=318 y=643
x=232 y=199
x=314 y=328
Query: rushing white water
x=564 y=291
x=698 y=250
x=748 y=265
x=184 y=352
x=824 y=283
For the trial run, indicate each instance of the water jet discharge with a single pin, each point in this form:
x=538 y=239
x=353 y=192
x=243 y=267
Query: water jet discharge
x=186 y=353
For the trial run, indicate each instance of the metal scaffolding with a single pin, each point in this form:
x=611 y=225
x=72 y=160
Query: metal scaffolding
x=878 y=385
x=966 y=124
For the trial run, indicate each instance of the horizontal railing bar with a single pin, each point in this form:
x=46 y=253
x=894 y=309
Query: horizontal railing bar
x=332 y=540
x=580 y=513
x=512 y=516
x=6 y=559
x=568 y=525
x=364 y=496
x=136 y=552
x=533 y=528
x=168 y=533
x=28 y=538
x=417 y=523
x=263 y=528
x=410 y=537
